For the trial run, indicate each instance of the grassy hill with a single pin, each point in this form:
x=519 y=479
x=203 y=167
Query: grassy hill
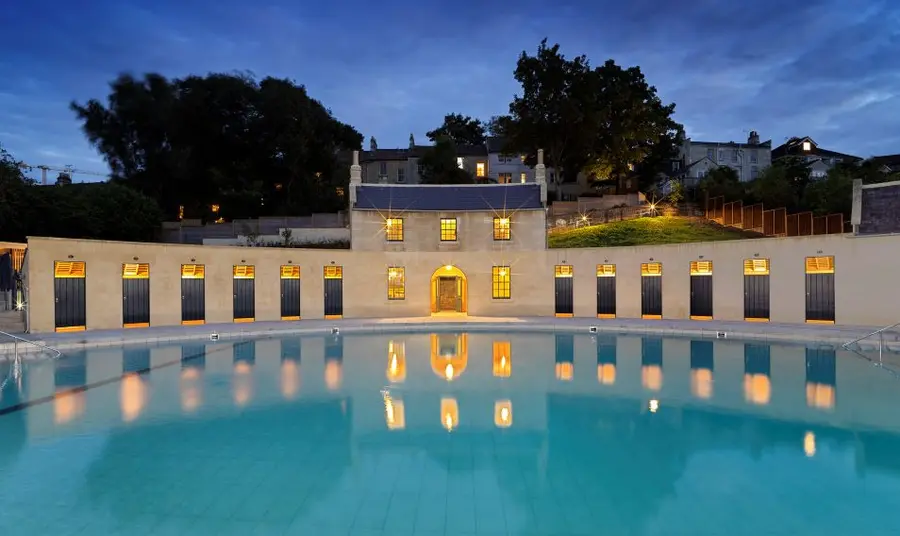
x=647 y=231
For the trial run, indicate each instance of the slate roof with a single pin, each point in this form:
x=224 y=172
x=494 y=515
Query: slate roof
x=482 y=197
x=794 y=147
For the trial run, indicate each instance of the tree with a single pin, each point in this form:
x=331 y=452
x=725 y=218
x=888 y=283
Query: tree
x=461 y=130
x=63 y=178
x=833 y=195
x=254 y=148
x=605 y=121
x=722 y=181
x=774 y=188
x=13 y=186
x=439 y=165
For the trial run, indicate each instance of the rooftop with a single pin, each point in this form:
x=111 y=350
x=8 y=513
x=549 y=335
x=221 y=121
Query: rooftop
x=419 y=197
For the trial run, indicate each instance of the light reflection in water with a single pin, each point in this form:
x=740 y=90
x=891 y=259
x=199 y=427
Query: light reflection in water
x=565 y=371
x=290 y=379
x=396 y=369
x=606 y=373
x=243 y=383
x=809 y=444
x=394 y=413
x=68 y=406
x=503 y=417
x=133 y=396
x=334 y=373
x=820 y=396
x=652 y=377
x=702 y=383
x=449 y=413
x=757 y=389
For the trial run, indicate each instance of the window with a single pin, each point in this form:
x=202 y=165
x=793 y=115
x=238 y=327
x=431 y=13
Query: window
x=396 y=283
x=711 y=154
x=420 y=169
x=523 y=177
x=500 y=282
x=754 y=172
x=807 y=146
x=753 y=157
x=339 y=191
x=382 y=168
x=522 y=158
x=448 y=229
x=480 y=169
x=501 y=228
x=393 y=229
x=721 y=156
x=504 y=178
x=401 y=175
x=459 y=162
x=734 y=155
x=676 y=166
x=701 y=174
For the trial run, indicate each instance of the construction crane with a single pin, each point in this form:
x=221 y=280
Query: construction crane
x=69 y=170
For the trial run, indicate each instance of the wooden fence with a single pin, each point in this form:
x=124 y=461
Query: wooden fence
x=772 y=222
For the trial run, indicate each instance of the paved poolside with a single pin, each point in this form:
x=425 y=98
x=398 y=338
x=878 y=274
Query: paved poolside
x=772 y=332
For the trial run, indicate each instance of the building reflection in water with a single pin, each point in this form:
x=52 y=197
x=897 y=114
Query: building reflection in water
x=334 y=362
x=503 y=417
x=133 y=392
x=290 y=367
x=449 y=413
x=606 y=360
x=502 y=359
x=565 y=356
x=449 y=354
x=396 y=367
x=193 y=362
x=69 y=380
x=757 y=374
x=702 y=369
x=394 y=412
x=244 y=358
x=651 y=363
x=821 y=377
x=809 y=444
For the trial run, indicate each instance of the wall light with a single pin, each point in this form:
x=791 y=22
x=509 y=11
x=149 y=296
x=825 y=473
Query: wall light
x=193 y=259
x=71 y=256
x=134 y=258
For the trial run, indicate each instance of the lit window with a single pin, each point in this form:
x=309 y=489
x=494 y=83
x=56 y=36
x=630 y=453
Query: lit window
x=393 y=229
x=339 y=191
x=448 y=229
x=180 y=212
x=396 y=283
x=523 y=177
x=278 y=186
x=479 y=169
x=215 y=208
x=807 y=146
x=500 y=282
x=504 y=178
x=459 y=162
x=501 y=228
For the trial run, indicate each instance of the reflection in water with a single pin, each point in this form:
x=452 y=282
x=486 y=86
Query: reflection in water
x=244 y=359
x=653 y=405
x=334 y=357
x=606 y=360
x=757 y=374
x=821 y=378
x=133 y=396
x=396 y=369
x=565 y=356
x=651 y=364
x=702 y=369
x=69 y=375
x=290 y=378
x=394 y=413
x=449 y=354
x=502 y=362
x=68 y=406
x=193 y=361
x=809 y=444
x=503 y=414
x=449 y=413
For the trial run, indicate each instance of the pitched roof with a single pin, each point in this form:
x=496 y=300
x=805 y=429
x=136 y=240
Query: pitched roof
x=794 y=147
x=478 y=197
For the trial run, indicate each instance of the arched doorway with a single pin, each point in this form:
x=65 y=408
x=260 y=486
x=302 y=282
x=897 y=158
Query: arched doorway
x=449 y=290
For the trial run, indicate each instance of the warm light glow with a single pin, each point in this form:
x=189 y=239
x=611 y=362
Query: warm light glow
x=480 y=169
x=502 y=272
x=68 y=407
x=807 y=146
x=333 y=375
x=448 y=371
x=702 y=383
x=448 y=267
x=394 y=413
x=809 y=444
x=242 y=368
x=190 y=373
x=503 y=417
x=652 y=377
x=290 y=379
x=449 y=413
x=606 y=374
x=654 y=406
x=565 y=371
x=819 y=395
x=132 y=396
x=459 y=162
x=502 y=359
x=243 y=389
x=19 y=304
x=396 y=369
x=652 y=206
x=504 y=221
x=215 y=208
x=757 y=389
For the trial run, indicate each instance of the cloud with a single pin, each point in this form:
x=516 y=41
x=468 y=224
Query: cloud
x=824 y=68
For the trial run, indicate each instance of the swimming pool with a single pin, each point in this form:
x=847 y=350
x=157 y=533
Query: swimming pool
x=451 y=433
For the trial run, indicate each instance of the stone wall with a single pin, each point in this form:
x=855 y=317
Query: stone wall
x=880 y=209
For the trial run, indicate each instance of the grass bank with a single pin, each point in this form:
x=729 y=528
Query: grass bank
x=646 y=232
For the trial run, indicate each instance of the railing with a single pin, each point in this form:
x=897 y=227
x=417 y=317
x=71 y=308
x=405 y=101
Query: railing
x=879 y=332
x=16 y=340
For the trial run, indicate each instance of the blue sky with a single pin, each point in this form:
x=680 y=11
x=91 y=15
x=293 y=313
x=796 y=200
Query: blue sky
x=829 y=69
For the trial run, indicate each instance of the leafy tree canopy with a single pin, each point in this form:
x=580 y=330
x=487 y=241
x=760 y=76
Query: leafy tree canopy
x=722 y=181
x=603 y=121
x=460 y=129
x=439 y=164
x=252 y=147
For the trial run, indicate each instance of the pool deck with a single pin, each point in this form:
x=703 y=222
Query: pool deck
x=769 y=332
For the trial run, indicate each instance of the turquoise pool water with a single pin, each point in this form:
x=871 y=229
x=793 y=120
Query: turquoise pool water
x=451 y=434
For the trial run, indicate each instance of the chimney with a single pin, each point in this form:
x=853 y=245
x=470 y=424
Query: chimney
x=412 y=141
x=373 y=145
x=355 y=178
x=753 y=139
x=540 y=175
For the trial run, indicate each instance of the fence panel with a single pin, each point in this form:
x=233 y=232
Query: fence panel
x=780 y=217
x=804 y=224
x=769 y=222
x=835 y=224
